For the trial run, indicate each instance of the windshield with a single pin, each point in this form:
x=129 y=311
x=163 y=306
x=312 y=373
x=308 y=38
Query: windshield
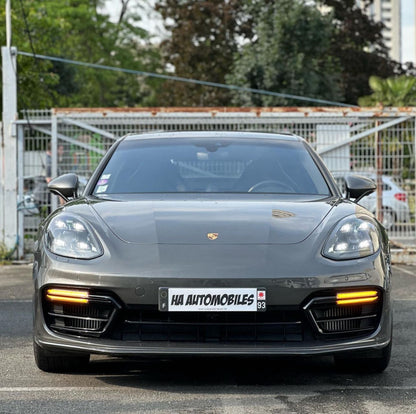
x=212 y=165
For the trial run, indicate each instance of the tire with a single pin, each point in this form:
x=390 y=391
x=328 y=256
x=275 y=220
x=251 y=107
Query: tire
x=370 y=362
x=50 y=361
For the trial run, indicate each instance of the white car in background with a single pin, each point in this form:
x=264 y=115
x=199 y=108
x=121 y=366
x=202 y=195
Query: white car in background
x=395 y=200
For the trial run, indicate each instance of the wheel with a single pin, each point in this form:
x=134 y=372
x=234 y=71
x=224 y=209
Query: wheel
x=50 y=361
x=365 y=361
x=270 y=184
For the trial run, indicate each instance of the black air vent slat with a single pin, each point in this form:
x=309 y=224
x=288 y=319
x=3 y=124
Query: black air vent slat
x=346 y=319
x=83 y=318
x=208 y=323
x=213 y=327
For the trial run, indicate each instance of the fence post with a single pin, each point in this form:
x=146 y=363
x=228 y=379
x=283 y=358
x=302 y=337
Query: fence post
x=20 y=190
x=414 y=180
x=379 y=175
x=54 y=152
x=8 y=202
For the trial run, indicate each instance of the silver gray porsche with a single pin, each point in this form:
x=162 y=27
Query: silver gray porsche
x=212 y=243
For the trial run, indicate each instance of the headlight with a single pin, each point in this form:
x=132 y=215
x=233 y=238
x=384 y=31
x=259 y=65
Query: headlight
x=69 y=236
x=352 y=238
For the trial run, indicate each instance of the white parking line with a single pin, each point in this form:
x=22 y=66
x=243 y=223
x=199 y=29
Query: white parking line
x=408 y=272
x=56 y=389
x=281 y=391
x=15 y=300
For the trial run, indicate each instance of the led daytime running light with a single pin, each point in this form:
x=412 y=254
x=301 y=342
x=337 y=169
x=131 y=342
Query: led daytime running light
x=352 y=295
x=72 y=296
x=356 y=301
x=354 y=298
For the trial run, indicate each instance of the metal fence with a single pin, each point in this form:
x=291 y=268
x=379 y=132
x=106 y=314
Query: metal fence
x=378 y=144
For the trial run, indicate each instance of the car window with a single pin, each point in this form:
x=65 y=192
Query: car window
x=211 y=165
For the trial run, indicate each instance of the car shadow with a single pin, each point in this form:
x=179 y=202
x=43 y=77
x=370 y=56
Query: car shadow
x=209 y=374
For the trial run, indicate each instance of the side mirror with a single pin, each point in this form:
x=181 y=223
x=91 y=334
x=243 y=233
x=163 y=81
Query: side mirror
x=359 y=187
x=65 y=186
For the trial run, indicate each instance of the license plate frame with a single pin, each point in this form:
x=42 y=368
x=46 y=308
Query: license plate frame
x=173 y=299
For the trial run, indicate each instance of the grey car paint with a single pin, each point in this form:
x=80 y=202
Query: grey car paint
x=160 y=241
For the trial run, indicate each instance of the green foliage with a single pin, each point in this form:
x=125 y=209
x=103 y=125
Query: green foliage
x=204 y=38
x=279 y=45
x=286 y=46
x=290 y=54
x=395 y=91
x=5 y=254
x=79 y=30
x=357 y=44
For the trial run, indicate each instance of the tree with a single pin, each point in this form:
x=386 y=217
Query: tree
x=357 y=44
x=79 y=30
x=251 y=43
x=395 y=91
x=204 y=37
x=290 y=54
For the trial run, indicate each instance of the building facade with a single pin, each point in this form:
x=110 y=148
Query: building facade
x=388 y=12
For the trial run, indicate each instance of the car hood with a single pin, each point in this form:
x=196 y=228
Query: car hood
x=212 y=221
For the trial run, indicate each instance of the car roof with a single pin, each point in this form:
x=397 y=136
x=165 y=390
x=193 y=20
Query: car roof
x=280 y=136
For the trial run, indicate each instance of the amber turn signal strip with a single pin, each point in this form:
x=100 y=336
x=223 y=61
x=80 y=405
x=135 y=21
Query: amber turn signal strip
x=356 y=298
x=70 y=296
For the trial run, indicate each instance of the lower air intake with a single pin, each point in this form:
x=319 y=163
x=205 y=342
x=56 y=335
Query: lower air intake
x=85 y=319
x=335 y=320
x=272 y=326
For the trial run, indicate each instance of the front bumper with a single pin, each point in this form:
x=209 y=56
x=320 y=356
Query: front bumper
x=306 y=341
x=56 y=343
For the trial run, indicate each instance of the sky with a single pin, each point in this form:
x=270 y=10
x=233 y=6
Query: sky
x=154 y=25
x=408 y=31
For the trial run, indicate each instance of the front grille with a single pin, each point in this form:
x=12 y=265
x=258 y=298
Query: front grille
x=334 y=320
x=105 y=316
x=89 y=319
x=205 y=327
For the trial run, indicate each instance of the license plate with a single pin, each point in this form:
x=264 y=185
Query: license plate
x=212 y=299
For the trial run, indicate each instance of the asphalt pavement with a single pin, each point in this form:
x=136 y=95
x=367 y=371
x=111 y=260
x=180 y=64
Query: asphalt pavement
x=284 y=385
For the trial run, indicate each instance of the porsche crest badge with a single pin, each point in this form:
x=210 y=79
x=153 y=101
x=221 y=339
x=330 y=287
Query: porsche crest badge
x=212 y=236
